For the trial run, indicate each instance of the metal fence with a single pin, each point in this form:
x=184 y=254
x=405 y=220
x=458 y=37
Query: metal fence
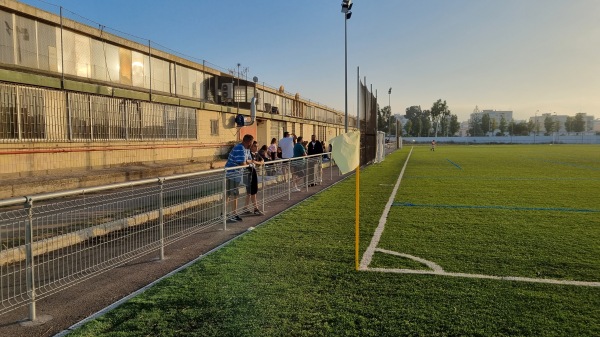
x=52 y=241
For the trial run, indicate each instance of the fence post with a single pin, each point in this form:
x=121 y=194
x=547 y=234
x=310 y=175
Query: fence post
x=264 y=168
x=306 y=173
x=161 y=226
x=331 y=165
x=29 y=258
x=320 y=170
x=289 y=176
x=224 y=212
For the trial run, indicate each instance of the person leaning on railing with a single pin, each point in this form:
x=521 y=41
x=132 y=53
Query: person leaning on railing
x=237 y=157
x=252 y=185
x=263 y=153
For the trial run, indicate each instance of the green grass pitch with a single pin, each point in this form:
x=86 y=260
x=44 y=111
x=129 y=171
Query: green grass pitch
x=523 y=211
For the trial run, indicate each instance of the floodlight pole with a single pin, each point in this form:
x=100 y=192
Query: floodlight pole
x=346 y=6
x=346 y=73
x=238 y=84
x=390 y=105
x=536 y=127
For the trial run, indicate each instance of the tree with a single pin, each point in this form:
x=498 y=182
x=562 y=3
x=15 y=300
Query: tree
x=414 y=114
x=420 y=121
x=383 y=119
x=438 y=110
x=418 y=128
x=530 y=126
x=502 y=125
x=393 y=126
x=579 y=124
x=570 y=124
x=521 y=129
x=475 y=126
x=548 y=125
x=494 y=125
x=425 y=123
x=485 y=123
x=408 y=127
x=454 y=125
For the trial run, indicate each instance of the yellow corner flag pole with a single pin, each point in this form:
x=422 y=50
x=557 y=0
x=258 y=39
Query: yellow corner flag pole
x=357 y=215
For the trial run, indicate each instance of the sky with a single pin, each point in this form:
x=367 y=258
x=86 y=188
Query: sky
x=528 y=56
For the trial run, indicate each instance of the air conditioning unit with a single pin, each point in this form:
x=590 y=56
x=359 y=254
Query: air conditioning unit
x=274 y=110
x=227 y=91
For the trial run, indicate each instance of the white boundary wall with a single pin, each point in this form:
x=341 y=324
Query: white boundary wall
x=581 y=139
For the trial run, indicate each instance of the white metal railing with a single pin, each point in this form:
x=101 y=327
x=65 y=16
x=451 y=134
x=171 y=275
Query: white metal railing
x=51 y=241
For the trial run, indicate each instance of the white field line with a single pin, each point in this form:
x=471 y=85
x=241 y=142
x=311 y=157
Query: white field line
x=368 y=255
x=438 y=270
x=435 y=268
x=432 y=265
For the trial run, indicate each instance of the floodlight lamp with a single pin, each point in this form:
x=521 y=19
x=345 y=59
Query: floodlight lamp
x=348 y=15
x=346 y=6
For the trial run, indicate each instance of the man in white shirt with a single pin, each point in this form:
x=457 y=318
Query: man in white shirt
x=287 y=146
x=287 y=151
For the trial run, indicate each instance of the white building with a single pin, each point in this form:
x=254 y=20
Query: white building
x=495 y=118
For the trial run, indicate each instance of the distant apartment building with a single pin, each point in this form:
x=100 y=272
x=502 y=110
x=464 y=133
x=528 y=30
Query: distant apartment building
x=496 y=117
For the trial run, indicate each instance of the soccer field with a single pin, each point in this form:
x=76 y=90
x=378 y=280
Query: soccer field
x=528 y=212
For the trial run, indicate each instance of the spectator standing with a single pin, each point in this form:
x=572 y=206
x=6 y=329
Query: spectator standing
x=299 y=149
x=237 y=157
x=279 y=153
x=272 y=150
x=287 y=146
x=314 y=147
x=287 y=151
x=252 y=186
x=298 y=164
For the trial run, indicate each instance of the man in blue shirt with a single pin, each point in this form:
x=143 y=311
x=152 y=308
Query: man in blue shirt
x=237 y=157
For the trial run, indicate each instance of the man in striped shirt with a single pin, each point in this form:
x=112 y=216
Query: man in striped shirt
x=237 y=157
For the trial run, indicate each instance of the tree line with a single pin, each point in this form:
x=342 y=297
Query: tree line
x=439 y=121
x=481 y=125
x=421 y=123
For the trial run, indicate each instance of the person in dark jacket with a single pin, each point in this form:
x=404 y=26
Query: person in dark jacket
x=314 y=167
x=314 y=146
x=252 y=187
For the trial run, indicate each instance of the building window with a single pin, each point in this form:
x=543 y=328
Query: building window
x=214 y=127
